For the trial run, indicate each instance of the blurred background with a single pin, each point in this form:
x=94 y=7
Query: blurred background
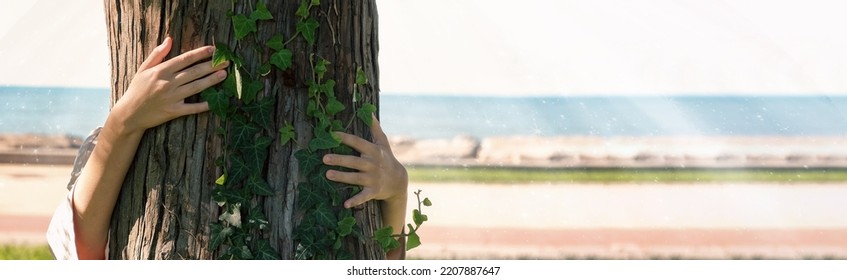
x=604 y=129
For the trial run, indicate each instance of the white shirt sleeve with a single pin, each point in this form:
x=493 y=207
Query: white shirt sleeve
x=60 y=233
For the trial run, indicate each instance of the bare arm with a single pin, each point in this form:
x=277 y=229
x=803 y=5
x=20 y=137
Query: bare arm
x=155 y=96
x=381 y=176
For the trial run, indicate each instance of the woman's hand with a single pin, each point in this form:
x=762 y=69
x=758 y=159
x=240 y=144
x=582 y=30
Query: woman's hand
x=155 y=95
x=381 y=176
x=157 y=92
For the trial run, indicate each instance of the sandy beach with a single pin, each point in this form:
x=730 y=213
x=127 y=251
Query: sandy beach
x=552 y=220
x=558 y=221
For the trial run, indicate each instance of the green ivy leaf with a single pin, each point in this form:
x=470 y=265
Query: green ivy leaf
x=261 y=111
x=323 y=125
x=221 y=54
x=281 y=59
x=426 y=202
x=366 y=113
x=412 y=240
x=345 y=226
x=238 y=170
x=329 y=88
x=333 y=107
x=219 y=234
x=313 y=90
x=265 y=69
x=337 y=244
x=316 y=2
x=383 y=237
x=324 y=140
x=221 y=180
x=307 y=196
x=227 y=196
x=218 y=102
x=242 y=132
x=218 y=197
x=276 y=43
x=240 y=252
x=306 y=227
x=337 y=125
x=265 y=251
x=342 y=150
x=308 y=161
x=256 y=218
x=307 y=28
x=307 y=239
x=418 y=217
x=257 y=152
x=361 y=78
x=251 y=90
x=243 y=26
x=258 y=186
x=261 y=12
x=303 y=9
x=324 y=216
x=229 y=87
x=321 y=183
x=286 y=133
x=320 y=68
x=249 y=93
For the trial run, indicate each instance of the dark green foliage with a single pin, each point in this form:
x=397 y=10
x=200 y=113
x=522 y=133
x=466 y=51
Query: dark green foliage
x=246 y=116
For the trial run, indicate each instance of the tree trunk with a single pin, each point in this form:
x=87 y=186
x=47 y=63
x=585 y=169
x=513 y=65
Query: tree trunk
x=166 y=207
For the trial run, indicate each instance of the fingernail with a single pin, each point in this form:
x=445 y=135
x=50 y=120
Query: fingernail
x=221 y=74
x=327 y=159
x=330 y=174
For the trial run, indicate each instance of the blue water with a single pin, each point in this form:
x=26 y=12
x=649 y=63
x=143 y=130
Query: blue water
x=438 y=117
x=74 y=111
x=77 y=111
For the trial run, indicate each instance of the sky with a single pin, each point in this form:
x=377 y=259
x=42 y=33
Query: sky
x=530 y=47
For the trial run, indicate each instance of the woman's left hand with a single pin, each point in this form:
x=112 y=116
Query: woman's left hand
x=381 y=176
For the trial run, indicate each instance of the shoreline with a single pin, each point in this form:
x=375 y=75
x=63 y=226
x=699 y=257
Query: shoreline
x=543 y=152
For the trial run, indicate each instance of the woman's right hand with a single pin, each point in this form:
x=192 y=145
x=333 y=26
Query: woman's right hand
x=158 y=90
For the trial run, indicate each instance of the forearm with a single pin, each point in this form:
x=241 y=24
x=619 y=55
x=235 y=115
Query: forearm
x=394 y=215
x=99 y=184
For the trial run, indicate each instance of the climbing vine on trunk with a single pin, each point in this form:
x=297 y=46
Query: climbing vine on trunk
x=245 y=133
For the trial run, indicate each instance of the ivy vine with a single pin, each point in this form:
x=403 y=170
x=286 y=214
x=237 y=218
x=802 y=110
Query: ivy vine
x=246 y=135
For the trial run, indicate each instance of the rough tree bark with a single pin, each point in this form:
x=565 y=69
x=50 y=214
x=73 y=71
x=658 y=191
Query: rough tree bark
x=165 y=207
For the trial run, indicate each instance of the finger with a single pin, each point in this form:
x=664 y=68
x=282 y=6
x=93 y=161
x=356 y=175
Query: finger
x=352 y=178
x=157 y=55
x=194 y=108
x=197 y=71
x=356 y=142
x=359 y=198
x=184 y=60
x=378 y=134
x=353 y=162
x=196 y=86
